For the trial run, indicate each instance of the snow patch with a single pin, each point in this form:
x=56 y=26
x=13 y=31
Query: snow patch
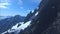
x=36 y=14
x=32 y=11
x=17 y=29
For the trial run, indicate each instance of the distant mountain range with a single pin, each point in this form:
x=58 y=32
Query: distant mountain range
x=9 y=21
x=3 y=17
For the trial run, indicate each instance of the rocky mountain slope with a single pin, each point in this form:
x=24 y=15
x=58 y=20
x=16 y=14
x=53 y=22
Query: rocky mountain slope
x=47 y=21
x=7 y=23
x=44 y=20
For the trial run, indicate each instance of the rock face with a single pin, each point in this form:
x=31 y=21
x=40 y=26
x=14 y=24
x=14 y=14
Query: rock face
x=55 y=27
x=48 y=19
x=46 y=16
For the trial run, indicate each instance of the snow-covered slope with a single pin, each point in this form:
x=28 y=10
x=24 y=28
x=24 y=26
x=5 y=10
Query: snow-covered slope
x=18 y=27
x=36 y=13
x=21 y=26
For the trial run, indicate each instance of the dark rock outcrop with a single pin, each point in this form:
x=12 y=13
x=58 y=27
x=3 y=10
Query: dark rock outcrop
x=47 y=21
x=55 y=27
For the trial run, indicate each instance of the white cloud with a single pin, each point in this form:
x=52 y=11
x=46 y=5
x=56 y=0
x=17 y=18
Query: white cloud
x=4 y=3
x=3 y=7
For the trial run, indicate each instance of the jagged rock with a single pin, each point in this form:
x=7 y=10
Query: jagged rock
x=54 y=28
x=46 y=16
x=48 y=12
x=28 y=17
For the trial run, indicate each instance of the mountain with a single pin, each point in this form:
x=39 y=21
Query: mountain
x=44 y=20
x=21 y=27
x=47 y=19
x=31 y=15
x=2 y=17
x=8 y=22
x=17 y=28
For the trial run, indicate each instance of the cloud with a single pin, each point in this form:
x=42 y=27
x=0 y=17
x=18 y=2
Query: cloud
x=4 y=3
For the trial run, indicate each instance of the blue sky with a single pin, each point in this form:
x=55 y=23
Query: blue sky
x=17 y=7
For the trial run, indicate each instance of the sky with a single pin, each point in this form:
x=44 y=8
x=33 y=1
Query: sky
x=17 y=7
